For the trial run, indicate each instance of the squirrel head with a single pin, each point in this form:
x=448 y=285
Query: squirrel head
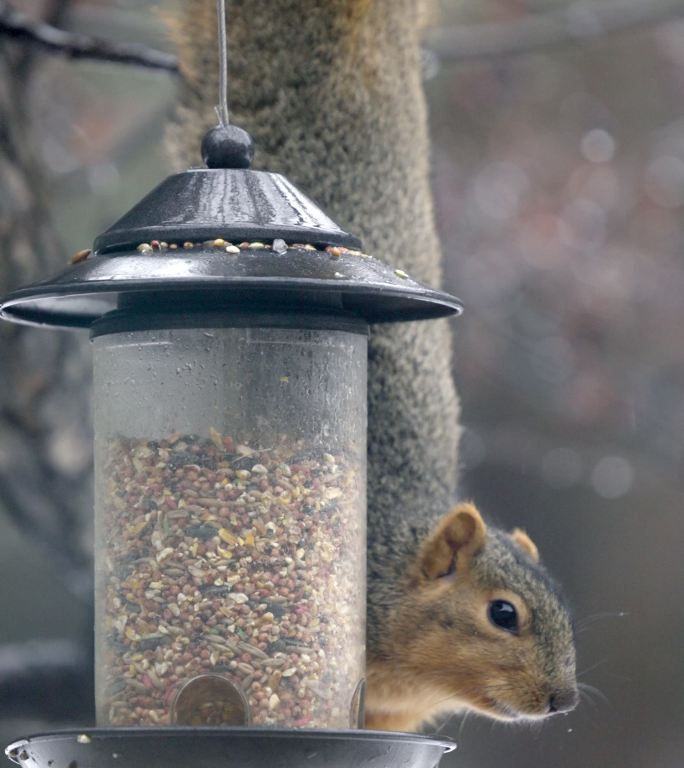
x=493 y=632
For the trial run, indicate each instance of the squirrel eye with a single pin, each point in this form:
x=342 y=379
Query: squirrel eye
x=503 y=615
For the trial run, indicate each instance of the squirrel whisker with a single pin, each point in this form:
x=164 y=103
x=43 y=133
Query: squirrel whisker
x=593 y=667
x=588 y=621
x=589 y=689
x=584 y=696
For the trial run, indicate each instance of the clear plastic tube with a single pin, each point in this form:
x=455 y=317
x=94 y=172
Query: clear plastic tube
x=230 y=526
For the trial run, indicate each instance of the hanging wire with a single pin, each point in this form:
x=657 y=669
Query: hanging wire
x=222 y=106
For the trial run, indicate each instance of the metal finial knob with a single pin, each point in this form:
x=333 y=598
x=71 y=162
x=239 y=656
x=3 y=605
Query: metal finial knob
x=227 y=147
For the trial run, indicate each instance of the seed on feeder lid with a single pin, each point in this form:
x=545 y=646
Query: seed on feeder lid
x=156 y=245
x=187 y=245
x=173 y=246
x=279 y=246
x=400 y=273
x=232 y=249
x=335 y=252
x=219 y=243
x=256 y=246
x=80 y=256
x=338 y=275
x=83 y=738
x=144 y=247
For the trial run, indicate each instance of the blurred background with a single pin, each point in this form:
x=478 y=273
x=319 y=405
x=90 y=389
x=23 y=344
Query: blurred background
x=558 y=169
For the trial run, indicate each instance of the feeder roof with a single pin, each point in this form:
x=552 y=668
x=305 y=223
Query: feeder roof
x=170 y=244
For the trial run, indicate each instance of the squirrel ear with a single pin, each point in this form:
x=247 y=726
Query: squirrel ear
x=525 y=543
x=458 y=536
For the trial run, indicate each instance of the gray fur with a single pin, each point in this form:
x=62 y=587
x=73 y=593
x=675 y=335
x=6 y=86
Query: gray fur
x=331 y=93
x=503 y=565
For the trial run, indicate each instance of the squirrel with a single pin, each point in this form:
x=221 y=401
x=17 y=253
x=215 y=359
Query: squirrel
x=332 y=94
x=469 y=620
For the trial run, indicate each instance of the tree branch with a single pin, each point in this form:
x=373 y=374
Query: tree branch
x=75 y=45
x=579 y=22
x=54 y=14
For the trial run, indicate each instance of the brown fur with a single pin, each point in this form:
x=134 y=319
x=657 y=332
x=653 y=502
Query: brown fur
x=443 y=654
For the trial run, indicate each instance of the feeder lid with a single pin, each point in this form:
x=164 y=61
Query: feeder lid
x=235 y=204
x=172 y=246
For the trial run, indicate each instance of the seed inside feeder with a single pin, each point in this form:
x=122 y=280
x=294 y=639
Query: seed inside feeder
x=230 y=560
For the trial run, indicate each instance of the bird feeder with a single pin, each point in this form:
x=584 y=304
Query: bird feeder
x=229 y=320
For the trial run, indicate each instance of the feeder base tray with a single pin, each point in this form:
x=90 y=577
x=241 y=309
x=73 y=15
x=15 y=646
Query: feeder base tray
x=227 y=748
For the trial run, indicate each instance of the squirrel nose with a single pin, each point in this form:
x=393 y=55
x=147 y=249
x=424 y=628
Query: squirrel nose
x=563 y=701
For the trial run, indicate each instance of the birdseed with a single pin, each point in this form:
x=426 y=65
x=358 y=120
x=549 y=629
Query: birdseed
x=234 y=575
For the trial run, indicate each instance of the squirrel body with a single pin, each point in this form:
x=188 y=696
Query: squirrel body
x=332 y=94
